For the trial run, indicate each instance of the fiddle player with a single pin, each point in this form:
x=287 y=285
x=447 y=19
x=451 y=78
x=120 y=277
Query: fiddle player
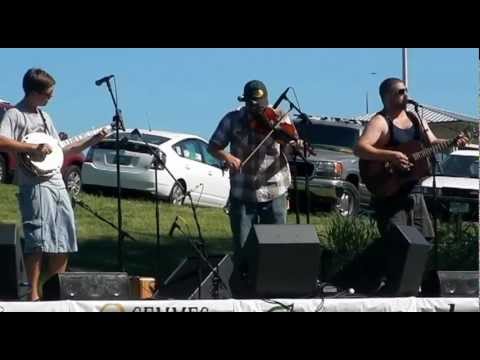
x=259 y=187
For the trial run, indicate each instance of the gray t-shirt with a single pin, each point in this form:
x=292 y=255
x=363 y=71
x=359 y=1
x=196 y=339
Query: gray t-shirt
x=15 y=124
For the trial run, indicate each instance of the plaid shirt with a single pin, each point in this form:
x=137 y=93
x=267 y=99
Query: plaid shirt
x=266 y=175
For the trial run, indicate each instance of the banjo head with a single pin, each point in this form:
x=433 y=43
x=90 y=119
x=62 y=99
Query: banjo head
x=52 y=162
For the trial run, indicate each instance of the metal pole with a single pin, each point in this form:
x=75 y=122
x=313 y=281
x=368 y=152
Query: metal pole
x=366 y=101
x=366 y=93
x=405 y=66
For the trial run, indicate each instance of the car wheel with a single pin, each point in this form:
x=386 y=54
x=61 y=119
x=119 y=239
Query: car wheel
x=73 y=180
x=3 y=170
x=348 y=203
x=176 y=195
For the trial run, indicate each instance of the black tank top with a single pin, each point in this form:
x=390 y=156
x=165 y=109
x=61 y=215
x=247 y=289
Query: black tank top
x=401 y=136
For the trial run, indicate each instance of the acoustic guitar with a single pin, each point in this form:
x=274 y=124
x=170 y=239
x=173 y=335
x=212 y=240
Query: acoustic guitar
x=383 y=179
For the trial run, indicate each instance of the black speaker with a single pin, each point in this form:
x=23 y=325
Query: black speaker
x=183 y=282
x=451 y=284
x=87 y=286
x=13 y=277
x=281 y=261
x=392 y=266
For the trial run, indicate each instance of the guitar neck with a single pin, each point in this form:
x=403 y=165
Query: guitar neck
x=83 y=136
x=425 y=153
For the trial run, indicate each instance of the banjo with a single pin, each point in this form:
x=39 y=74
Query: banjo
x=46 y=166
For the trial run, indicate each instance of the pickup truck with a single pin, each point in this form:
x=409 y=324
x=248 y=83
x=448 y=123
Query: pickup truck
x=334 y=180
x=457 y=185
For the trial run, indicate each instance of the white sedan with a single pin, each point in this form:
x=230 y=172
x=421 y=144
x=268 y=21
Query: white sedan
x=185 y=156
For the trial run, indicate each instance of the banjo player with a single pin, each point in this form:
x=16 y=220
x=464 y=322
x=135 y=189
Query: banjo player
x=46 y=209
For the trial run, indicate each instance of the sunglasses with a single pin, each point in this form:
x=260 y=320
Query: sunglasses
x=401 y=91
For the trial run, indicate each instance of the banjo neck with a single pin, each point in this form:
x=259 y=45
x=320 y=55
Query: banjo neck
x=87 y=134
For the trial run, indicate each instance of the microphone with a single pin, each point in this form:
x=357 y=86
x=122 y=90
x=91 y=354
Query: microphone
x=173 y=227
x=414 y=103
x=104 y=79
x=282 y=96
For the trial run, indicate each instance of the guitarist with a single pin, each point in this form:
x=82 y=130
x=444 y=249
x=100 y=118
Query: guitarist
x=47 y=214
x=391 y=127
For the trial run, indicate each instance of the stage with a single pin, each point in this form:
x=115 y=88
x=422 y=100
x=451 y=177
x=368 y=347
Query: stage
x=405 y=304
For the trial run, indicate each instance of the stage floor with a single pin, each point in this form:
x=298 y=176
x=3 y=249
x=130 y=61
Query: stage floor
x=405 y=304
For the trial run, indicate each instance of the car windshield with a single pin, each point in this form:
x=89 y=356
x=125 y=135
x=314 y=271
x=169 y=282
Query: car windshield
x=338 y=138
x=460 y=166
x=151 y=139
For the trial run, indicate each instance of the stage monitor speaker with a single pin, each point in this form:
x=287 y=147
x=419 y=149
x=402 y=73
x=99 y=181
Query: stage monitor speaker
x=282 y=261
x=87 y=286
x=13 y=277
x=451 y=284
x=183 y=282
x=393 y=266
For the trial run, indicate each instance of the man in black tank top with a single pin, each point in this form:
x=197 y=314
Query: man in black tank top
x=391 y=127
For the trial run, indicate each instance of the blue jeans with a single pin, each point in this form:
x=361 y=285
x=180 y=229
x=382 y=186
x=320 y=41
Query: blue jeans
x=244 y=215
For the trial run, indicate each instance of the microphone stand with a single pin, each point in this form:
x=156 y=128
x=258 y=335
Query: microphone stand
x=216 y=280
x=304 y=117
x=157 y=160
x=201 y=251
x=295 y=187
x=433 y=161
x=117 y=119
x=83 y=205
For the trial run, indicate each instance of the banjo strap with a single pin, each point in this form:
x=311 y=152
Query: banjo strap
x=44 y=122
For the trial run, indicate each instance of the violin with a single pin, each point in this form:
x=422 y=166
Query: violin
x=267 y=120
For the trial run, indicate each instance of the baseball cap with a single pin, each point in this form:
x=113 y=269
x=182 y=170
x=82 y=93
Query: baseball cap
x=256 y=92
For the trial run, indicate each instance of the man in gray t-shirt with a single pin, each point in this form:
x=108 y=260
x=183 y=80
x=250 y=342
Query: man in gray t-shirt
x=47 y=214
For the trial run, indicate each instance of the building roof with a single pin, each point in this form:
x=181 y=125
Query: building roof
x=431 y=114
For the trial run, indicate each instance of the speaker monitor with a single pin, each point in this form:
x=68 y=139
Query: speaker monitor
x=13 y=278
x=451 y=284
x=87 y=286
x=392 y=266
x=183 y=282
x=282 y=260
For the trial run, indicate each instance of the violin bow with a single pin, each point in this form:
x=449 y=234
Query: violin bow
x=264 y=139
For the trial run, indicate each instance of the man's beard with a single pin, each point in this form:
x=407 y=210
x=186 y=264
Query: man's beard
x=400 y=106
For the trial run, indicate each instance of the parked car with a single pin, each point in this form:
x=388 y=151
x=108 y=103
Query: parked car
x=335 y=177
x=457 y=185
x=185 y=155
x=71 y=169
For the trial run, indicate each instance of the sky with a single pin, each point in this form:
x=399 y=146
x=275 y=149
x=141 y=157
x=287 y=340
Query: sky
x=190 y=90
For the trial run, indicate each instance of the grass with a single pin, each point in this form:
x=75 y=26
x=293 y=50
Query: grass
x=98 y=242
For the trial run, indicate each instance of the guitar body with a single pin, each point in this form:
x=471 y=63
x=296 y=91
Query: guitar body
x=384 y=180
